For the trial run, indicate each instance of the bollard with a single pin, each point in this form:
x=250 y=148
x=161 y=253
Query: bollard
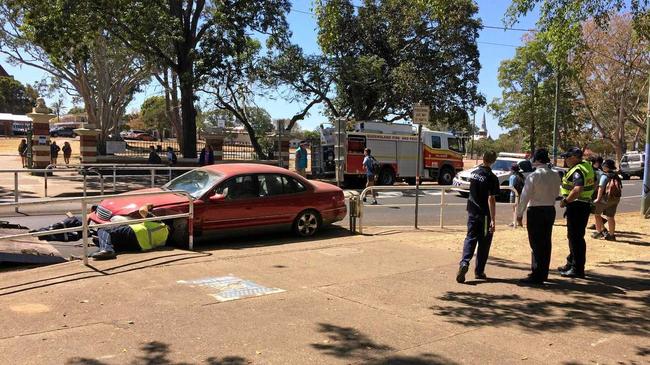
x=101 y=183
x=84 y=172
x=442 y=207
x=114 y=179
x=84 y=230
x=16 y=191
x=45 y=182
x=153 y=178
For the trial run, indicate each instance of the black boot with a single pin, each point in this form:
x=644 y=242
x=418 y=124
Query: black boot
x=573 y=273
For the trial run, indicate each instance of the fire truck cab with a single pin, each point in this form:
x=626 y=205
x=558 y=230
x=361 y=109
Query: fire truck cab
x=395 y=147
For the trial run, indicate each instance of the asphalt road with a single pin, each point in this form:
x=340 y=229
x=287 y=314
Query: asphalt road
x=397 y=208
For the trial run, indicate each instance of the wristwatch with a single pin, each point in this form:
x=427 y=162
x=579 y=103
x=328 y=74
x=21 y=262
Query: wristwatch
x=565 y=201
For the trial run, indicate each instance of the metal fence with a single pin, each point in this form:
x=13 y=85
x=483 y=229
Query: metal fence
x=356 y=207
x=232 y=150
x=85 y=219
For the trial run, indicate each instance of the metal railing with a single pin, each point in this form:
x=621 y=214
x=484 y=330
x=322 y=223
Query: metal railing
x=84 y=217
x=443 y=189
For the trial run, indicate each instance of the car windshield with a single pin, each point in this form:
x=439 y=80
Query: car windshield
x=196 y=182
x=502 y=165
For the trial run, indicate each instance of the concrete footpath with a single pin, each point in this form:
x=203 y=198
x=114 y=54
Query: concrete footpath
x=385 y=298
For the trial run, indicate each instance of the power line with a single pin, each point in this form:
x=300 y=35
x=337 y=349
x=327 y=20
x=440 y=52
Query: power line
x=484 y=26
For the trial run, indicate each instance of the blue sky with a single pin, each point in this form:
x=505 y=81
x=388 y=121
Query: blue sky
x=494 y=46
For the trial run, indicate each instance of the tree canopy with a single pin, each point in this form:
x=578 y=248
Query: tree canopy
x=15 y=98
x=387 y=55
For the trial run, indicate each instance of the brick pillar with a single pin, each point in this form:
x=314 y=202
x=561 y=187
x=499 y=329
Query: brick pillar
x=87 y=144
x=284 y=151
x=40 y=117
x=216 y=141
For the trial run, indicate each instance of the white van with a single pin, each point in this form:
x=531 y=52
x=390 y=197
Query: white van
x=632 y=164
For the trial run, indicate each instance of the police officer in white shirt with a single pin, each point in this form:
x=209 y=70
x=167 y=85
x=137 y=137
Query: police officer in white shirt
x=541 y=189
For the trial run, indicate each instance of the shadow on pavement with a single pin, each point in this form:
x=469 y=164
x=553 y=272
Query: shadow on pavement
x=214 y=243
x=91 y=272
x=157 y=353
x=349 y=343
x=603 y=302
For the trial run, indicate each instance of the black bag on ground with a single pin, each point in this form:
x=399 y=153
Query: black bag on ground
x=62 y=237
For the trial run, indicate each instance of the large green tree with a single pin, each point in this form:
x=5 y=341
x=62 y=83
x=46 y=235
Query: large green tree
x=62 y=38
x=191 y=38
x=526 y=104
x=15 y=98
x=388 y=54
x=154 y=114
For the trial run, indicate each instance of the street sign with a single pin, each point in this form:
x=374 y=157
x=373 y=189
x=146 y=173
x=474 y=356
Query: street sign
x=420 y=113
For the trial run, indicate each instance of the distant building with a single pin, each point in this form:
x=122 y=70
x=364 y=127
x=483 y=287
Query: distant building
x=70 y=120
x=482 y=132
x=12 y=124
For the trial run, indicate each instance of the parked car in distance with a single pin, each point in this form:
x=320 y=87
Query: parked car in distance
x=632 y=164
x=501 y=169
x=137 y=134
x=236 y=198
x=144 y=137
x=63 y=132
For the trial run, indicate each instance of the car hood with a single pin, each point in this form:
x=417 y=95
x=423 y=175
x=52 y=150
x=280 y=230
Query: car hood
x=467 y=173
x=127 y=205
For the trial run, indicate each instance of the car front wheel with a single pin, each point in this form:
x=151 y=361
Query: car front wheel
x=307 y=223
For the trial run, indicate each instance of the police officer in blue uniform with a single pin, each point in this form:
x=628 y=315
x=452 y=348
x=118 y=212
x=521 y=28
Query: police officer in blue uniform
x=481 y=215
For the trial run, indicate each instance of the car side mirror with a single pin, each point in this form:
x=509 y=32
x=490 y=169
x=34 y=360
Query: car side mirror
x=217 y=198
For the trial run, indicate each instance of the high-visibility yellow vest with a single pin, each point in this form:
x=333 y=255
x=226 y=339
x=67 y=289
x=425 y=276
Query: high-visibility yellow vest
x=150 y=234
x=590 y=181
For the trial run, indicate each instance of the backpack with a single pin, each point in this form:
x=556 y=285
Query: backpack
x=376 y=166
x=519 y=183
x=614 y=186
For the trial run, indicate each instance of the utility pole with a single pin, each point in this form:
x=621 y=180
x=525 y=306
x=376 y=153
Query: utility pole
x=555 y=115
x=645 y=200
x=532 y=121
x=471 y=146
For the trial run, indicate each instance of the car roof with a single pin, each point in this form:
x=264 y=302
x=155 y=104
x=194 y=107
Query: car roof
x=232 y=169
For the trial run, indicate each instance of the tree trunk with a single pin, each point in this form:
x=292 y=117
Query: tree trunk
x=189 y=112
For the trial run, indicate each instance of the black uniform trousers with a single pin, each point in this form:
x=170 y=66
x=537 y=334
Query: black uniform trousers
x=477 y=234
x=540 y=231
x=120 y=238
x=577 y=217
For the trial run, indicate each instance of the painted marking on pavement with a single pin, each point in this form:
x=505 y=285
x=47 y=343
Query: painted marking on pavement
x=231 y=287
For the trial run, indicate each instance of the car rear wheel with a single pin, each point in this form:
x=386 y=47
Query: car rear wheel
x=307 y=223
x=386 y=177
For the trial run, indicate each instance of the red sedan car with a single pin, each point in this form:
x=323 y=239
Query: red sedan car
x=237 y=197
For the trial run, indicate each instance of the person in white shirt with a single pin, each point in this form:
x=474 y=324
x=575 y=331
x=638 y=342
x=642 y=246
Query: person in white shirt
x=541 y=189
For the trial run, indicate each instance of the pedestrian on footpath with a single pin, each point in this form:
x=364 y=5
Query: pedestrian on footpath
x=538 y=196
x=67 y=152
x=172 y=159
x=22 y=151
x=610 y=188
x=301 y=159
x=516 y=181
x=54 y=152
x=370 y=165
x=206 y=157
x=154 y=158
x=597 y=165
x=577 y=189
x=481 y=217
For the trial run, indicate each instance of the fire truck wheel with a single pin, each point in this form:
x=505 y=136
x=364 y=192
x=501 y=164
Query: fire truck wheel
x=386 y=176
x=446 y=176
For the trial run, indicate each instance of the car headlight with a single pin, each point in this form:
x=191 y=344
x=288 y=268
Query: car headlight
x=119 y=218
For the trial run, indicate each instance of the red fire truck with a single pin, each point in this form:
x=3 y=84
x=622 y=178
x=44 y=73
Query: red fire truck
x=395 y=147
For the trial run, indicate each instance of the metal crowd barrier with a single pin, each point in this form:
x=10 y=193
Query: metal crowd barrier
x=84 y=217
x=359 y=206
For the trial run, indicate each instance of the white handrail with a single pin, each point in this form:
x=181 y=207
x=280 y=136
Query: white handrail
x=442 y=204
x=84 y=217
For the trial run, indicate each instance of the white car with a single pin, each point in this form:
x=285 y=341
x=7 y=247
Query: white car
x=501 y=169
x=632 y=164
